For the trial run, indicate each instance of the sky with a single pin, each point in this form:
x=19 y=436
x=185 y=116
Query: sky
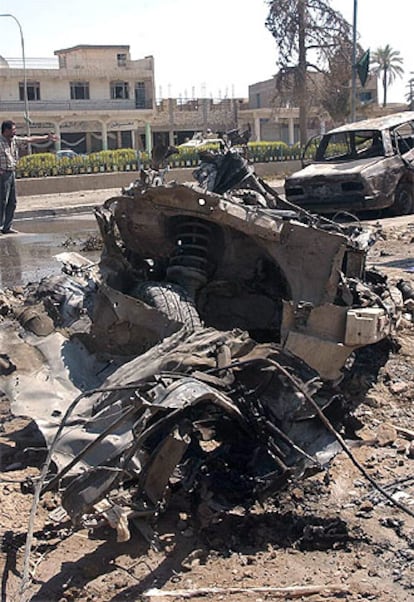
x=215 y=48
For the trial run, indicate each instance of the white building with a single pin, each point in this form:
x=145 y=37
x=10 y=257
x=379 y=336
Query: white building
x=98 y=98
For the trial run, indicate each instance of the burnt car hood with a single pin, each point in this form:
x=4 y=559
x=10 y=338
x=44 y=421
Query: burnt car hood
x=335 y=170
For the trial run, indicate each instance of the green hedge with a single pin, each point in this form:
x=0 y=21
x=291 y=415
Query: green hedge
x=125 y=159
x=257 y=152
x=47 y=164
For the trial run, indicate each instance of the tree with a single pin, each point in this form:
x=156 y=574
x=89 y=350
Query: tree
x=308 y=34
x=387 y=63
x=410 y=94
x=334 y=93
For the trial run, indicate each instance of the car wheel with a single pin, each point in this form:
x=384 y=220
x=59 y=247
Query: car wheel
x=171 y=300
x=403 y=200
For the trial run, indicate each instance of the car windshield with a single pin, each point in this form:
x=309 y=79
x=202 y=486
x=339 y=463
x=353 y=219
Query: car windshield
x=354 y=144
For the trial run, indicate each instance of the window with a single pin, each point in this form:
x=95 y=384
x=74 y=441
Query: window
x=354 y=144
x=33 y=90
x=403 y=137
x=335 y=147
x=119 y=90
x=258 y=101
x=62 y=61
x=140 y=100
x=79 y=90
x=365 y=97
x=121 y=59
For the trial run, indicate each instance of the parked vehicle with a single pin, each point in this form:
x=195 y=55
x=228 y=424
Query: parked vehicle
x=66 y=153
x=359 y=166
x=198 y=140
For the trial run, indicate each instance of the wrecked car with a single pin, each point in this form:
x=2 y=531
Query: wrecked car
x=359 y=166
x=229 y=253
x=202 y=352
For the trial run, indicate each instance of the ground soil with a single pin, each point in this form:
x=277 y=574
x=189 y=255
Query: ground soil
x=332 y=531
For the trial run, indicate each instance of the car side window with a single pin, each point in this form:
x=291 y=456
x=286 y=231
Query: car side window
x=368 y=144
x=403 y=138
x=334 y=147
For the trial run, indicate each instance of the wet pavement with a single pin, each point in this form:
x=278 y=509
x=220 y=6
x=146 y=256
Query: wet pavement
x=30 y=255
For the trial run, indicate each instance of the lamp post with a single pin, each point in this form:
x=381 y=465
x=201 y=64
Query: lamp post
x=25 y=98
x=354 y=66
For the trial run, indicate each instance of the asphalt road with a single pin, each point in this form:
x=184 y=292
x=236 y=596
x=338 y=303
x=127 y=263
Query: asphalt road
x=30 y=255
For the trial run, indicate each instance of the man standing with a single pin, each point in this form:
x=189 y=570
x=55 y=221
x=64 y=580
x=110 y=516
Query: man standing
x=9 y=155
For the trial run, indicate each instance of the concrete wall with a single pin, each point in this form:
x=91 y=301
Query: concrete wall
x=60 y=184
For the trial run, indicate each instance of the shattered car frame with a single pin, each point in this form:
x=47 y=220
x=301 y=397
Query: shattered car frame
x=359 y=166
x=194 y=256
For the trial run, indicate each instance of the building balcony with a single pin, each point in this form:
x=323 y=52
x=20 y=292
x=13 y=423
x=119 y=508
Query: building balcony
x=54 y=106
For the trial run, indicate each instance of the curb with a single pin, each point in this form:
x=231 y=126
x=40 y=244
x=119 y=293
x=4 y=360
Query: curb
x=55 y=212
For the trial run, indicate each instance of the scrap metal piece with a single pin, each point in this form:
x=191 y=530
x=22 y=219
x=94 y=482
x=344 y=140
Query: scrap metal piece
x=257 y=426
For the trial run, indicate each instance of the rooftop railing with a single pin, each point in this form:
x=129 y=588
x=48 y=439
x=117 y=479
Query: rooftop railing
x=71 y=105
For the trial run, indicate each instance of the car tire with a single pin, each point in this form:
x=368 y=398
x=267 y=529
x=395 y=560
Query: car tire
x=171 y=300
x=403 y=200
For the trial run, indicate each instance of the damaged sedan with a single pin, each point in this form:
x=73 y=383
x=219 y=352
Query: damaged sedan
x=358 y=167
x=200 y=355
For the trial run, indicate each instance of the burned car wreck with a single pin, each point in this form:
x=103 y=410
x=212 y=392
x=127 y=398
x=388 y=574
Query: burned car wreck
x=244 y=259
x=202 y=353
x=359 y=166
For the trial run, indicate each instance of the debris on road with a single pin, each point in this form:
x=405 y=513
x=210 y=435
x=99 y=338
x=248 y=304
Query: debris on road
x=200 y=352
x=201 y=304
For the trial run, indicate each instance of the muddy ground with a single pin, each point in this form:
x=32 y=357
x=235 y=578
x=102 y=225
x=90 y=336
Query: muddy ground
x=330 y=537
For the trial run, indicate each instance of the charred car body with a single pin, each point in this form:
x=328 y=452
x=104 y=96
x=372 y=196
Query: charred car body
x=359 y=166
x=239 y=259
x=202 y=352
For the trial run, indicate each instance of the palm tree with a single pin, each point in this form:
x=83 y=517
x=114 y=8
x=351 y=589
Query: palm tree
x=387 y=62
x=410 y=94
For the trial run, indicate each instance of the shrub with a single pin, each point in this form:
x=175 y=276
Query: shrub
x=37 y=164
x=125 y=159
x=256 y=152
x=113 y=160
x=270 y=151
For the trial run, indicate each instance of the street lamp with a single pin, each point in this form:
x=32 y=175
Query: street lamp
x=26 y=100
x=354 y=66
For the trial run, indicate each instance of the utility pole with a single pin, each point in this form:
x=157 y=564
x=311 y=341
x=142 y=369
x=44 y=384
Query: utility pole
x=25 y=97
x=354 y=66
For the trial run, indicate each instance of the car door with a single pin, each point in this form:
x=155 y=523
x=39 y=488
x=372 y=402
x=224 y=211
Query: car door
x=403 y=142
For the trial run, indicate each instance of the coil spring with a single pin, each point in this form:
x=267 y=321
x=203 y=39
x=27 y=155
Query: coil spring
x=192 y=240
